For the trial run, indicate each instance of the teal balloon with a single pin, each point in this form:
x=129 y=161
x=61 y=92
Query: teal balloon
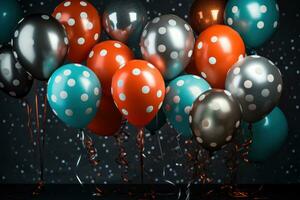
x=269 y=135
x=74 y=93
x=255 y=20
x=180 y=95
x=10 y=14
x=157 y=122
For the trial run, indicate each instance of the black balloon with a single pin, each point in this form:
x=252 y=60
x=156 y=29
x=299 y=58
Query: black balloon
x=41 y=44
x=14 y=79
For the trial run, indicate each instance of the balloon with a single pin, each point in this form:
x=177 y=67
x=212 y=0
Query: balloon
x=74 y=93
x=180 y=95
x=167 y=42
x=106 y=58
x=214 y=118
x=255 y=20
x=10 y=14
x=268 y=135
x=41 y=45
x=14 y=80
x=205 y=13
x=108 y=118
x=191 y=68
x=216 y=50
x=124 y=20
x=257 y=83
x=83 y=26
x=157 y=122
x=138 y=90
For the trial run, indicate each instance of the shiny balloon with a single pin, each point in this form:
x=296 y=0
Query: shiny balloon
x=167 y=42
x=214 y=118
x=108 y=118
x=124 y=20
x=257 y=84
x=14 y=80
x=157 y=122
x=10 y=14
x=205 y=13
x=255 y=20
x=41 y=45
x=180 y=95
x=268 y=135
x=74 y=94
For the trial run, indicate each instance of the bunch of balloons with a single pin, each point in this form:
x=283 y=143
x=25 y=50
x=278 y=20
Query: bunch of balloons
x=226 y=90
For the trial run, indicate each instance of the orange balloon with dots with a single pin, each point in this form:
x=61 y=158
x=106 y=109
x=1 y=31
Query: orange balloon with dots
x=83 y=26
x=138 y=90
x=105 y=59
x=216 y=50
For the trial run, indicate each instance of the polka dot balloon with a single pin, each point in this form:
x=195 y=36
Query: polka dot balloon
x=74 y=93
x=83 y=25
x=180 y=95
x=257 y=84
x=138 y=90
x=253 y=18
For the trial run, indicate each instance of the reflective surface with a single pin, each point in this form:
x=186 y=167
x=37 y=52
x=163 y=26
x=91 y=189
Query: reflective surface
x=167 y=42
x=14 y=80
x=257 y=84
x=205 y=13
x=41 y=45
x=124 y=20
x=214 y=118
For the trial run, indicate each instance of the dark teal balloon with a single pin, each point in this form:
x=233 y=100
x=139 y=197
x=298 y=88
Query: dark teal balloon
x=158 y=122
x=10 y=14
x=255 y=20
x=269 y=135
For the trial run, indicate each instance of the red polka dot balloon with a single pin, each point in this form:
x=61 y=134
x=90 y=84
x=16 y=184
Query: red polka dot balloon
x=83 y=25
x=216 y=50
x=138 y=90
x=106 y=58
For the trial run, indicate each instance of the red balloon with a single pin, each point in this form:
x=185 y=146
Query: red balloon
x=83 y=26
x=216 y=50
x=108 y=118
x=138 y=90
x=191 y=68
x=105 y=59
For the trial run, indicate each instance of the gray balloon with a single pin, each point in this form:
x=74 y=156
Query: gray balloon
x=124 y=20
x=257 y=84
x=41 y=44
x=167 y=42
x=214 y=118
x=14 y=79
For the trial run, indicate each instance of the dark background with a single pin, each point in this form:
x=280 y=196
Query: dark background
x=20 y=161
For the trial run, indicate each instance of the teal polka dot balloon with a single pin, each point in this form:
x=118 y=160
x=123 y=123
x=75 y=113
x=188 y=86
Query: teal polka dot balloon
x=180 y=95
x=255 y=20
x=74 y=93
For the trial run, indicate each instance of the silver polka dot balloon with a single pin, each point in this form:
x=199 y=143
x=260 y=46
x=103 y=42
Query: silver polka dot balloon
x=257 y=84
x=167 y=42
x=214 y=118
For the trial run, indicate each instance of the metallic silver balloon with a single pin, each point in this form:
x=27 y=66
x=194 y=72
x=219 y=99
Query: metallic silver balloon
x=167 y=42
x=257 y=84
x=14 y=80
x=124 y=20
x=41 y=44
x=214 y=118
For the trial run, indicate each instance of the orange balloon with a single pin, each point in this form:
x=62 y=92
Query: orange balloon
x=108 y=118
x=105 y=59
x=191 y=68
x=83 y=26
x=138 y=90
x=216 y=50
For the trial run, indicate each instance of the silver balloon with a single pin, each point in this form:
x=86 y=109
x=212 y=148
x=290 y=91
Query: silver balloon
x=40 y=43
x=257 y=84
x=167 y=42
x=124 y=20
x=214 y=118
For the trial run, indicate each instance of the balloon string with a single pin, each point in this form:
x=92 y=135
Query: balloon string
x=140 y=143
x=122 y=157
x=29 y=127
